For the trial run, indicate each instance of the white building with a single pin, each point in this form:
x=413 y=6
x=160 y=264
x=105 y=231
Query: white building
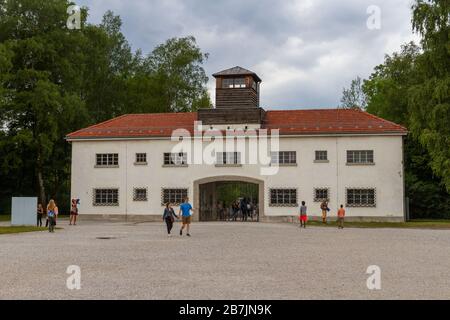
x=127 y=167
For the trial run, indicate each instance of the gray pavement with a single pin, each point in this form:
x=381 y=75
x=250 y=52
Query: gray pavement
x=224 y=261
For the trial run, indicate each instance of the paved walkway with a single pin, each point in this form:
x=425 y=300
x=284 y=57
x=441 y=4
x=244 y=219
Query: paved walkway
x=225 y=261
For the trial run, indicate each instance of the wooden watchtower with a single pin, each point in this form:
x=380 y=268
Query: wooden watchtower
x=237 y=98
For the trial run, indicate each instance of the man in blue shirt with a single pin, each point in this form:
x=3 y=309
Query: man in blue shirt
x=186 y=213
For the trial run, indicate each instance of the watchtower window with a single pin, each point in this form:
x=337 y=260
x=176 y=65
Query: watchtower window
x=233 y=83
x=239 y=83
x=227 y=83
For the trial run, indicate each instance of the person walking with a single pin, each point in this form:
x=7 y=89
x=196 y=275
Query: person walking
x=303 y=217
x=52 y=210
x=341 y=216
x=40 y=213
x=186 y=212
x=74 y=212
x=169 y=217
x=325 y=209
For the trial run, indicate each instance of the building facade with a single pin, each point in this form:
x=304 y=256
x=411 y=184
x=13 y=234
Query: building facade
x=130 y=166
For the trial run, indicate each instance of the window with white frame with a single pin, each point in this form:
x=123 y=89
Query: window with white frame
x=175 y=159
x=230 y=158
x=106 y=197
x=360 y=156
x=106 y=159
x=141 y=158
x=321 y=155
x=321 y=194
x=283 y=157
x=283 y=197
x=360 y=197
x=173 y=196
x=140 y=194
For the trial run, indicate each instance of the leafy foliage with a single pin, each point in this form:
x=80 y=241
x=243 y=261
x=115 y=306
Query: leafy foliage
x=176 y=65
x=54 y=80
x=354 y=97
x=430 y=98
x=412 y=88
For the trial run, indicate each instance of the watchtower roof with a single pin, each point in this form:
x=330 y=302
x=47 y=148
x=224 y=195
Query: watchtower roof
x=236 y=71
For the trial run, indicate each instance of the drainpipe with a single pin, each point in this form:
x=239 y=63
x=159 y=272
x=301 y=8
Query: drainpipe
x=405 y=198
x=126 y=181
x=337 y=173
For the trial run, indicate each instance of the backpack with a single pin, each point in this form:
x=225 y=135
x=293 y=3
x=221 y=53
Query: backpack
x=51 y=213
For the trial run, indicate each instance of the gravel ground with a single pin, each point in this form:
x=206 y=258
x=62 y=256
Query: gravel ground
x=224 y=261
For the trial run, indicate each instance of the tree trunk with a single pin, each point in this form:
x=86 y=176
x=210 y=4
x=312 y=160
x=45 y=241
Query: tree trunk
x=41 y=187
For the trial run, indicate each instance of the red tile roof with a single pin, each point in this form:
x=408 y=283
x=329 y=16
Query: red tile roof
x=290 y=122
x=329 y=121
x=138 y=125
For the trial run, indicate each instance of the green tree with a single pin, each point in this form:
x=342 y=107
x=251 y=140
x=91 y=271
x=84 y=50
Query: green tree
x=109 y=63
x=175 y=68
x=354 y=97
x=36 y=101
x=427 y=194
x=430 y=98
x=54 y=81
x=388 y=91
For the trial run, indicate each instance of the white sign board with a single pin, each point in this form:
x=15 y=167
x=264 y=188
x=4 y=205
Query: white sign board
x=24 y=211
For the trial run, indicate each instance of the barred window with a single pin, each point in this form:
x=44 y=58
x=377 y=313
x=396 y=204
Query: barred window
x=360 y=156
x=107 y=159
x=140 y=194
x=284 y=157
x=141 y=158
x=174 y=196
x=228 y=157
x=106 y=197
x=360 y=198
x=175 y=159
x=283 y=197
x=321 y=155
x=321 y=194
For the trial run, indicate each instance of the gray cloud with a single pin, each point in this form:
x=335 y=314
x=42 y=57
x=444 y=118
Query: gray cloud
x=305 y=51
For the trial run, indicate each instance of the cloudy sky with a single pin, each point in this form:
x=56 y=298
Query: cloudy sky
x=305 y=51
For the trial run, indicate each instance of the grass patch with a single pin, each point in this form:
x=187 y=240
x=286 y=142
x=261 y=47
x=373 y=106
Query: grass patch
x=414 y=224
x=20 y=229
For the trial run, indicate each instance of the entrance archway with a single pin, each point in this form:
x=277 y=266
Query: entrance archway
x=213 y=196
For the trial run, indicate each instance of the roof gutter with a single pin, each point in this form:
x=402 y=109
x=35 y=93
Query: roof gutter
x=93 y=138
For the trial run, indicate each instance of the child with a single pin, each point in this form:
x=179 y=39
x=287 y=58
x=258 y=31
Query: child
x=74 y=212
x=40 y=213
x=303 y=216
x=324 y=208
x=341 y=215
